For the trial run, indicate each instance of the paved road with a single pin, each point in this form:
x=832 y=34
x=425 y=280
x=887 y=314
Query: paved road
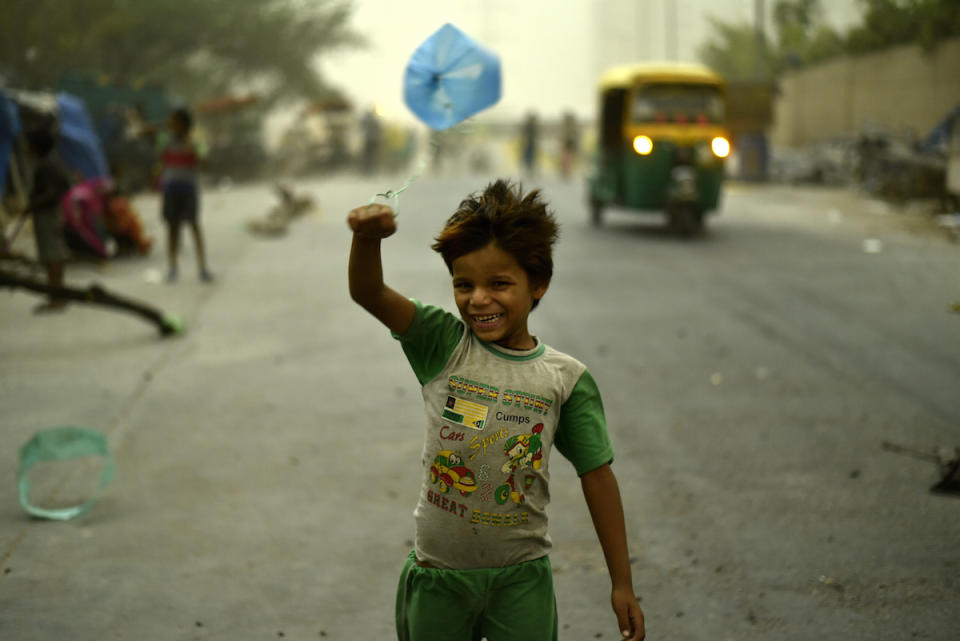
x=267 y=460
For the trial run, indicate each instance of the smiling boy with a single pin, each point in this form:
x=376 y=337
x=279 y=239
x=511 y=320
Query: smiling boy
x=481 y=569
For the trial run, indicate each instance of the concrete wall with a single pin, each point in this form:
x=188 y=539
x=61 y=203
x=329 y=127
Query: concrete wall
x=903 y=90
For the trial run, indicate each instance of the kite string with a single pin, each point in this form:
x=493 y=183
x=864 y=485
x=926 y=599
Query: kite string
x=434 y=146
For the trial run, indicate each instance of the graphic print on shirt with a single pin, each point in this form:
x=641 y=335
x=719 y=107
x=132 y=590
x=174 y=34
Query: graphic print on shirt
x=466 y=413
x=508 y=398
x=448 y=472
x=523 y=451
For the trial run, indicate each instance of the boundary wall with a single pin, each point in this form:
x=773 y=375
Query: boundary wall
x=902 y=90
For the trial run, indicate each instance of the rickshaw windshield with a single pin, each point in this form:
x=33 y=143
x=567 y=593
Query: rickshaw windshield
x=678 y=103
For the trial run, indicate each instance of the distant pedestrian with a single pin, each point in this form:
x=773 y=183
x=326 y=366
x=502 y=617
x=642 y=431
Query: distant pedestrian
x=569 y=144
x=372 y=142
x=181 y=194
x=497 y=400
x=530 y=143
x=50 y=183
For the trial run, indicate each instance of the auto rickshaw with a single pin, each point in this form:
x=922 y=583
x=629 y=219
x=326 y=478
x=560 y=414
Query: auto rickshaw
x=661 y=142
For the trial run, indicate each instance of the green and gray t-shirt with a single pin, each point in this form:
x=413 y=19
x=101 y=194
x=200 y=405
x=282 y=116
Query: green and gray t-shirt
x=492 y=416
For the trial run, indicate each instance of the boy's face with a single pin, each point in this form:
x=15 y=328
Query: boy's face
x=176 y=126
x=494 y=296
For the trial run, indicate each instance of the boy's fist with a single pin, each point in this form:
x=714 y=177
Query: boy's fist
x=372 y=221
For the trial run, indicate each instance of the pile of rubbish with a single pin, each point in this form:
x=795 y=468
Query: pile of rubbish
x=278 y=219
x=948 y=466
x=885 y=163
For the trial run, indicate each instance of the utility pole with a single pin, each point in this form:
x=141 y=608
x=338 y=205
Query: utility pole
x=760 y=54
x=670 y=28
x=642 y=35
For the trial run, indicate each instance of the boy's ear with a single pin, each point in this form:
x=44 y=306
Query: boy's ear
x=539 y=290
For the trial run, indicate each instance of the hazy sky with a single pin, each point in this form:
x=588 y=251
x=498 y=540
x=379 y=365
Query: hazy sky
x=551 y=52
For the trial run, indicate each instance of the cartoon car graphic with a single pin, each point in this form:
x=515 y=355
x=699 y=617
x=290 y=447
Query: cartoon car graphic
x=448 y=472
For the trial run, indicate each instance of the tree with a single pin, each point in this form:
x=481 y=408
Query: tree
x=194 y=47
x=735 y=52
x=800 y=37
x=887 y=23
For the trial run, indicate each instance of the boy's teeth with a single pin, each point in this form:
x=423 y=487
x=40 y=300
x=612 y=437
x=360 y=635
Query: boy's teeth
x=488 y=317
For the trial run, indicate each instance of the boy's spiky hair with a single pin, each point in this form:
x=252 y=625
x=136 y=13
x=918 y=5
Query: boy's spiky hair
x=517 y=223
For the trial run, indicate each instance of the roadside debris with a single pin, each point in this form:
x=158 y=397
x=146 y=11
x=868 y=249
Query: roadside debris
x=826 y=162
x=890 y=164
x=949 y=482
x=832 y=583
x=62 y=444
x=278 y=219
x=153 y=276
x=949 y=220
x=872 y=246
x=166 y=324
x=951 y=223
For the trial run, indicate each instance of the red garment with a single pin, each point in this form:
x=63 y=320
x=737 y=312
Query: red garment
x=181 y=155
x=179 y=160
x=123 y=222
x=82 y=208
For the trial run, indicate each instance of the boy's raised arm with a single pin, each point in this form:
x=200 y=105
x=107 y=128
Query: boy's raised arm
x=371 y=224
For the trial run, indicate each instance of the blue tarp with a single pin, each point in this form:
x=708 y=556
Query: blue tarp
x=9 y=128
x=936 y=140
x=79 y=145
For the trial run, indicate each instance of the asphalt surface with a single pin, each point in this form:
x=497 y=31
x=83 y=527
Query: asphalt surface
x=267 y=459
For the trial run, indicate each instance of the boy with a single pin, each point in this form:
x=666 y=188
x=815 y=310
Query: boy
x=496 y=400
x=180 y=194
x=50 y=184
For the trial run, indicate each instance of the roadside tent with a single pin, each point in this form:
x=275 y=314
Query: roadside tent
x=9 y=128
x=79 y=144
x=937 y=140
x=65 y=115
x=78 y=147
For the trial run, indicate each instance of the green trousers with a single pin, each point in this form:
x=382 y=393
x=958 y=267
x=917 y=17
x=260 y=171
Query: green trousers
x=515 y=603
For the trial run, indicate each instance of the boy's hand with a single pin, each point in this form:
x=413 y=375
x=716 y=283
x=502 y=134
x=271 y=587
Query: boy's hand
x=372 y=221
x=629 y=614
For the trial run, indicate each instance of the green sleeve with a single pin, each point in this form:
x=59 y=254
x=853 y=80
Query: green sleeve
x=430 y=340
x=161 y=140
x=582 y=431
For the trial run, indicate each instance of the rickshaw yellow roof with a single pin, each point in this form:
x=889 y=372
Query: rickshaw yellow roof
x=629 y=74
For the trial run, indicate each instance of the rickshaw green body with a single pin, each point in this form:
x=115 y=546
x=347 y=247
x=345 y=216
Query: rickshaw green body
x=624 y=177
x=627 y=179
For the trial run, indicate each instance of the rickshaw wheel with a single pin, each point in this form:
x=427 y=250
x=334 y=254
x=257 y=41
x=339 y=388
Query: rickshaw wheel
x=596 y=213
x=686 y=220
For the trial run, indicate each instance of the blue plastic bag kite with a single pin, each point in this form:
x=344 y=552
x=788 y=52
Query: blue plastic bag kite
x=450 y=77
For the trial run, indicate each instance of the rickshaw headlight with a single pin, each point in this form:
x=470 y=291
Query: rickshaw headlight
x=720 y=147
x=642 y=145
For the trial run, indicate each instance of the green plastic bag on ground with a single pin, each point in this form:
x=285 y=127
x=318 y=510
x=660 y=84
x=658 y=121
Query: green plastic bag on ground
x=62 y=444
